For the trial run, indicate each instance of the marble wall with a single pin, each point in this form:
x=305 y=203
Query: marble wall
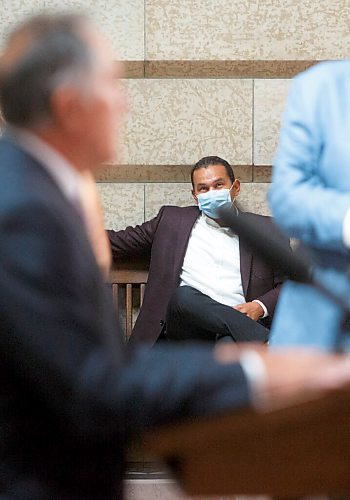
x=121 y=20
x=202 y=77
x=241 y=29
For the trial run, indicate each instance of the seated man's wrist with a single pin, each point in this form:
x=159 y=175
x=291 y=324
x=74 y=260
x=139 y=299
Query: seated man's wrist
x=264 y=308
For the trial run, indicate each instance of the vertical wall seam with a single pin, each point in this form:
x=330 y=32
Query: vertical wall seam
x=144 y=38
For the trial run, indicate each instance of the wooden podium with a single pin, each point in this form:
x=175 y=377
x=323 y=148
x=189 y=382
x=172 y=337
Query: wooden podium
x=300 y=450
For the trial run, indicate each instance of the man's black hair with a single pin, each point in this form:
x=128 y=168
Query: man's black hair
x=209 y=161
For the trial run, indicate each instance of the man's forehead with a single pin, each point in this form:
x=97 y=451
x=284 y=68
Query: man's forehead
x=210 y=173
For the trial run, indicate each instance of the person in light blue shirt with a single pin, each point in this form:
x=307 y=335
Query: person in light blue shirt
x=310 y=199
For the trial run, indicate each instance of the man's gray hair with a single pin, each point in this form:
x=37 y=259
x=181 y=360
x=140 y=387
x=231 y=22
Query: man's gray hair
x=54 y=53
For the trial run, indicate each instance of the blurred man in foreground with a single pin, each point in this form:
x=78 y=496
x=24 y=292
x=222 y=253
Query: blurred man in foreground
x=71 y=393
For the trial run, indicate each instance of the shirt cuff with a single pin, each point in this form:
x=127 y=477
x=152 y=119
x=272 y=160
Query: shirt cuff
x=346 y=229
x=255 y=371
x=266 y=313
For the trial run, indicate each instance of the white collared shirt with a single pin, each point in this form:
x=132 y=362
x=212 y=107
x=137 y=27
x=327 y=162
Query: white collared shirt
x=212 y=263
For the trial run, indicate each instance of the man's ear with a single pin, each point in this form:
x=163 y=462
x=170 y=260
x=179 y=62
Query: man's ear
x=236 y=188
x=65 y=108
x=194 y=196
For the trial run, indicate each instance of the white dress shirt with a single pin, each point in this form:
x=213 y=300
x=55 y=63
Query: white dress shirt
x=212 y=263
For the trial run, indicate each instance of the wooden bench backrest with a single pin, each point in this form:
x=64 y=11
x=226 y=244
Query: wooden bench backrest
x=128 y=280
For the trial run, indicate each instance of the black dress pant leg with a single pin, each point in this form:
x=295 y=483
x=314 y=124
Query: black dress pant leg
x=191 y=315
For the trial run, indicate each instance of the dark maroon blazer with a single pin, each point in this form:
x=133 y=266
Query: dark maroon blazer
x=164 y=241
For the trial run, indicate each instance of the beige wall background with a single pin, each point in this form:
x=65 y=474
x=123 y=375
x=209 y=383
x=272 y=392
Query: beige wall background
x=203 y=77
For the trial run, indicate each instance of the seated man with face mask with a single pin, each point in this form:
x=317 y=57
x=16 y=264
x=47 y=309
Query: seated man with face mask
x=204 y=283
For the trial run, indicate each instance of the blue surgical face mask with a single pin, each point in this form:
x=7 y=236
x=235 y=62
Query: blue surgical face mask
x=212 y=200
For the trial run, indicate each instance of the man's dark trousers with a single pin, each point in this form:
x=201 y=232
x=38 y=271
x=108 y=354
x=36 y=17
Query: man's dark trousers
x=192 y=315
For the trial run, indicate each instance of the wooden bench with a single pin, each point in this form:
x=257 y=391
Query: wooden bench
x=128 y=280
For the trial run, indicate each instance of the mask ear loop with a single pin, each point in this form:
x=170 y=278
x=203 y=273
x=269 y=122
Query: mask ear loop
x=233 y=201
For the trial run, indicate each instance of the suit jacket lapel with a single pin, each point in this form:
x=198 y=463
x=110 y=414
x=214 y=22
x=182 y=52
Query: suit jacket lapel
x=246 y=256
